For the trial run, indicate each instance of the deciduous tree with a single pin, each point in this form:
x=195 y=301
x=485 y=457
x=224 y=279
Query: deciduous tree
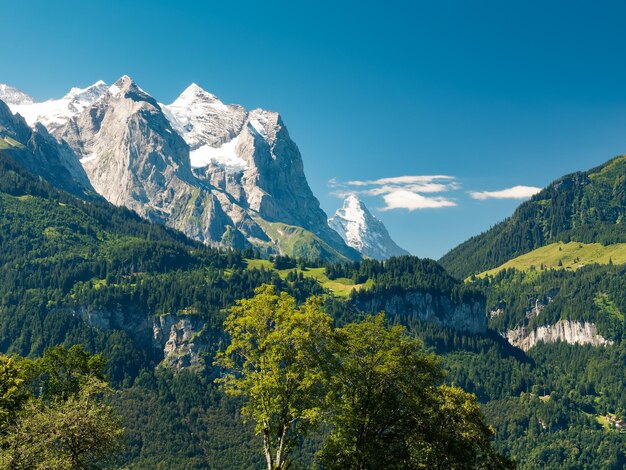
x=278 y=362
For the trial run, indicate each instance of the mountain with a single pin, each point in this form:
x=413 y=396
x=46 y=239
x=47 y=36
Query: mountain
x=362 y=231
x=40 y=153
x=551 y=272
x=13 y=96
x=250 y=155
x=220 y=174
x=588 y=207
x=54 y=113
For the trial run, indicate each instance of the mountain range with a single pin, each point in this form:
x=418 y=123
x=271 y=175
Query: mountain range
x=219 y=173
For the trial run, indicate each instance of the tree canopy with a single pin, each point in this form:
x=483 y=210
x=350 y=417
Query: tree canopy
x=377 y=390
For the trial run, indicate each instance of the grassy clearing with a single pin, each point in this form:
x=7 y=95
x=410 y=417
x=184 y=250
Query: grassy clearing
x=570 y=256
x=8 y=142
x=607 y=306
x=604 y=422
x=340 y=287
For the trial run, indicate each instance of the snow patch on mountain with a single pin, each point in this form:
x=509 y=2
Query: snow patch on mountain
x=13 y=96
x=225 y=157
x=55 y=113
x=362 y=231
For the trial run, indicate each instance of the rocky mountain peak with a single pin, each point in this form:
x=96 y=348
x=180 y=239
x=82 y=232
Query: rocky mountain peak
x=90 y=93
x=125 y=87
x=218 y=173
x=203 y=120
x=195 y=93
x=124 y=83
x=362 y=231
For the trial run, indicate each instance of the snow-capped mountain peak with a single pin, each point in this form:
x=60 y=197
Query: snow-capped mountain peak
x=362 y=231
x=196 y=94
x=221 y=174
x=203 y=120
x=96 y=90
x=13 y=96
x=54 y=113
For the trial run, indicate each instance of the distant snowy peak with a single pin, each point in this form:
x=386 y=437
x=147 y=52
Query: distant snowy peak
x=55 y=113
x=362 y=231
x=13 y=96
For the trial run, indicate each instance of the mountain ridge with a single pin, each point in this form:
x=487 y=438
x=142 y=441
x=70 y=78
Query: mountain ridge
x=585 y=206
x=141 y=154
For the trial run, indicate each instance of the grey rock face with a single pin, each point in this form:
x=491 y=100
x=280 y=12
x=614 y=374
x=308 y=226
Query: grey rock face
x=426 y=307
x=364 y=232
x=217 y=173
x=572 y=332
x=180 y=341
x=135 y=159
x=251 y=156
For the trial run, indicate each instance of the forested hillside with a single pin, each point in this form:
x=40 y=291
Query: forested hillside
x=586 y=207
x=153 y=303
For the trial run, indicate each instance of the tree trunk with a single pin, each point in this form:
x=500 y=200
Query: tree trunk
x=268 y=450
x=280 y=451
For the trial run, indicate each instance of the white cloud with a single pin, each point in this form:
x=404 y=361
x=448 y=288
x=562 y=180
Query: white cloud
x=407 y=179
x=403 y=199
x=516 y=192
x=400 y=192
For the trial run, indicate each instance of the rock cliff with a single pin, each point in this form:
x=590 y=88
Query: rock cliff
x=424 y=306
x=572 y=332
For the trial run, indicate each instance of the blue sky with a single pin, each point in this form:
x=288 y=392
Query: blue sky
x=489 y=94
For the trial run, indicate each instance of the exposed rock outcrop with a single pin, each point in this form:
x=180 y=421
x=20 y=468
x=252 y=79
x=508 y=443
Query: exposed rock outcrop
x=423 y=306
x=572 y=332
x=180 y=338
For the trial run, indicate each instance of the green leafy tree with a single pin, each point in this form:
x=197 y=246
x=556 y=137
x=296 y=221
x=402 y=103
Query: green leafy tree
x=381 y=376
x=389 y=411
x=78 y=433
x=454 y=434
x=13 y=393
x=278 y=361
x=61 y=372
x=55 y=412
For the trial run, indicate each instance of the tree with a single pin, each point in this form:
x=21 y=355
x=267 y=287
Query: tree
x=13 y=393
x=78 y=433
x=278 y=361
x=454 y=434
x=55 y=413
x=382 y=374
x=389 y=411
x=61 y=372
